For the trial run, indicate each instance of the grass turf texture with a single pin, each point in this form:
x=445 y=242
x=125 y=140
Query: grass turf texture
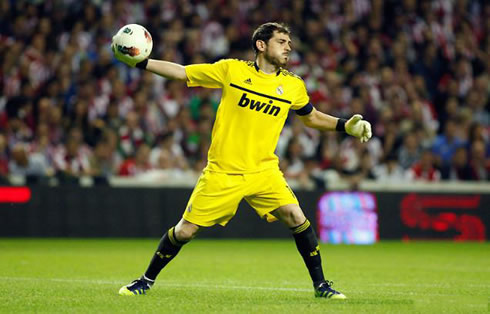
x=223 y=276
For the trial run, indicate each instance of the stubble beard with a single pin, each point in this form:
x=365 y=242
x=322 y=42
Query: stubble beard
x=276 y=61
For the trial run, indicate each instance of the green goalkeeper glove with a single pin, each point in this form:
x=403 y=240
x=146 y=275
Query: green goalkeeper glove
x=359 y=128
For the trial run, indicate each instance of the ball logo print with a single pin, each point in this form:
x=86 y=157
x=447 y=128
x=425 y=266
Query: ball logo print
x=132 y=51
x=148 y=37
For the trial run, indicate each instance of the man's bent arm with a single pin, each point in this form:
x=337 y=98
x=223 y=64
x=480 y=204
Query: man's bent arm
x=319 y=120
x=355 y=126
x=167 y=69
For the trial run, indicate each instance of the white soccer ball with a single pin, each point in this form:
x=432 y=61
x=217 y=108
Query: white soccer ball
x=132 y=44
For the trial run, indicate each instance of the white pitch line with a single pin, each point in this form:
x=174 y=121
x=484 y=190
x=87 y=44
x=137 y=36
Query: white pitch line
x=90 y=281
x=221 y=286
x=426 y=285
x=162 y=283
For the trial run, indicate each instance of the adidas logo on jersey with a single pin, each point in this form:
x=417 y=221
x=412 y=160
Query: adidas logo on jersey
x=256 y=105
x=248 y=81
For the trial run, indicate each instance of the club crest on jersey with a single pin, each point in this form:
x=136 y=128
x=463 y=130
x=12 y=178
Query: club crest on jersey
x=252 y=104
x=279 y=90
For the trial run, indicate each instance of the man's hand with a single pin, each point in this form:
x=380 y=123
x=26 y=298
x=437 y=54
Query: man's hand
x=124 y=58
x=359 y=128
x=119 y=57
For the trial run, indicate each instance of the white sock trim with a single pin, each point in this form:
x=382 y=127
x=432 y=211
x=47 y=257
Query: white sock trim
x=148 y=279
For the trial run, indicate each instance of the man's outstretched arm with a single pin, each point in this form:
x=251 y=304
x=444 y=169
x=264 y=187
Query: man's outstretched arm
x=205 y=75
x=355 y=126
x=167 y=69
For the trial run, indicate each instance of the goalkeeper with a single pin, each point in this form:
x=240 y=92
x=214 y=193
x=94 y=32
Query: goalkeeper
x=256 y=98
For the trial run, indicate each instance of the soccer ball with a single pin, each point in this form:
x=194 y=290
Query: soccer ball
x=132 y=44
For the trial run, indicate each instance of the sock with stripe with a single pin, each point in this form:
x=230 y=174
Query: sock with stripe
x=167 y=249
x=308 y=247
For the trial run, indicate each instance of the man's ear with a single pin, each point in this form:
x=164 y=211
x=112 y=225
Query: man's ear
x=260 y=44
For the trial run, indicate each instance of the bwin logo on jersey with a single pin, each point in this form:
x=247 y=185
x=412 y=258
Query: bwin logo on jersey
x=256 y=105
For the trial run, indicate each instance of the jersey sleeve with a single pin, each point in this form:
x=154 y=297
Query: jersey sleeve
x=210 y=75
x=302 y=99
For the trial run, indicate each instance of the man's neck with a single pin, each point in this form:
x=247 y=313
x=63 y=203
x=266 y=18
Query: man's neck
x=265 y=66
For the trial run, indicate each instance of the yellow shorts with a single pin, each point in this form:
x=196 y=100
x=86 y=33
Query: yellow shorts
x=216 y=196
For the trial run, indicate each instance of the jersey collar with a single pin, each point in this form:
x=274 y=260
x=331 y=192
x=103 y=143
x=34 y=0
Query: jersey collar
x=256 y=66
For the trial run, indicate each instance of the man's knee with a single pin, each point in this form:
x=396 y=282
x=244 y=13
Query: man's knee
x=185 y=231
x=291 y=215
x=296 y=218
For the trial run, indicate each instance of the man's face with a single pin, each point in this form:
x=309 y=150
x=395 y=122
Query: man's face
x=277 y=49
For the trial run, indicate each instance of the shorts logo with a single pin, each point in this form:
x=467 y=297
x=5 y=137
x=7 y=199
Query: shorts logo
x=189 y=208
x=279 y=90
x=248 y=81
x=256 y=105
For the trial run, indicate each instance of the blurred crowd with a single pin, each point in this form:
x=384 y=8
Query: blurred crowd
x=417 y=70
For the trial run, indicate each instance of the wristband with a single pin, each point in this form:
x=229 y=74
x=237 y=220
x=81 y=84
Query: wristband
x=340 y=125
x=142 y=65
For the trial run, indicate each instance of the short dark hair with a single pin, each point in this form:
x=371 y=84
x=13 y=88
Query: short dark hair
x=265 y=31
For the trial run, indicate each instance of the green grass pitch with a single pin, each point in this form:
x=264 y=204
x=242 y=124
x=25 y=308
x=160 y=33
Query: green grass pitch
x=242 y=276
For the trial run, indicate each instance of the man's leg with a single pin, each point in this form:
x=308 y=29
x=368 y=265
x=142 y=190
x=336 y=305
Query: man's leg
x=305 y=238
x=169 y=246
x=307 y=244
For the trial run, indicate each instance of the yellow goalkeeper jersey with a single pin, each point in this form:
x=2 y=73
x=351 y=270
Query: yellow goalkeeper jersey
x=252 y=112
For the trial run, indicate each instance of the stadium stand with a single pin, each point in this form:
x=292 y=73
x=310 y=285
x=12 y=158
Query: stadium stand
x=417 y=70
